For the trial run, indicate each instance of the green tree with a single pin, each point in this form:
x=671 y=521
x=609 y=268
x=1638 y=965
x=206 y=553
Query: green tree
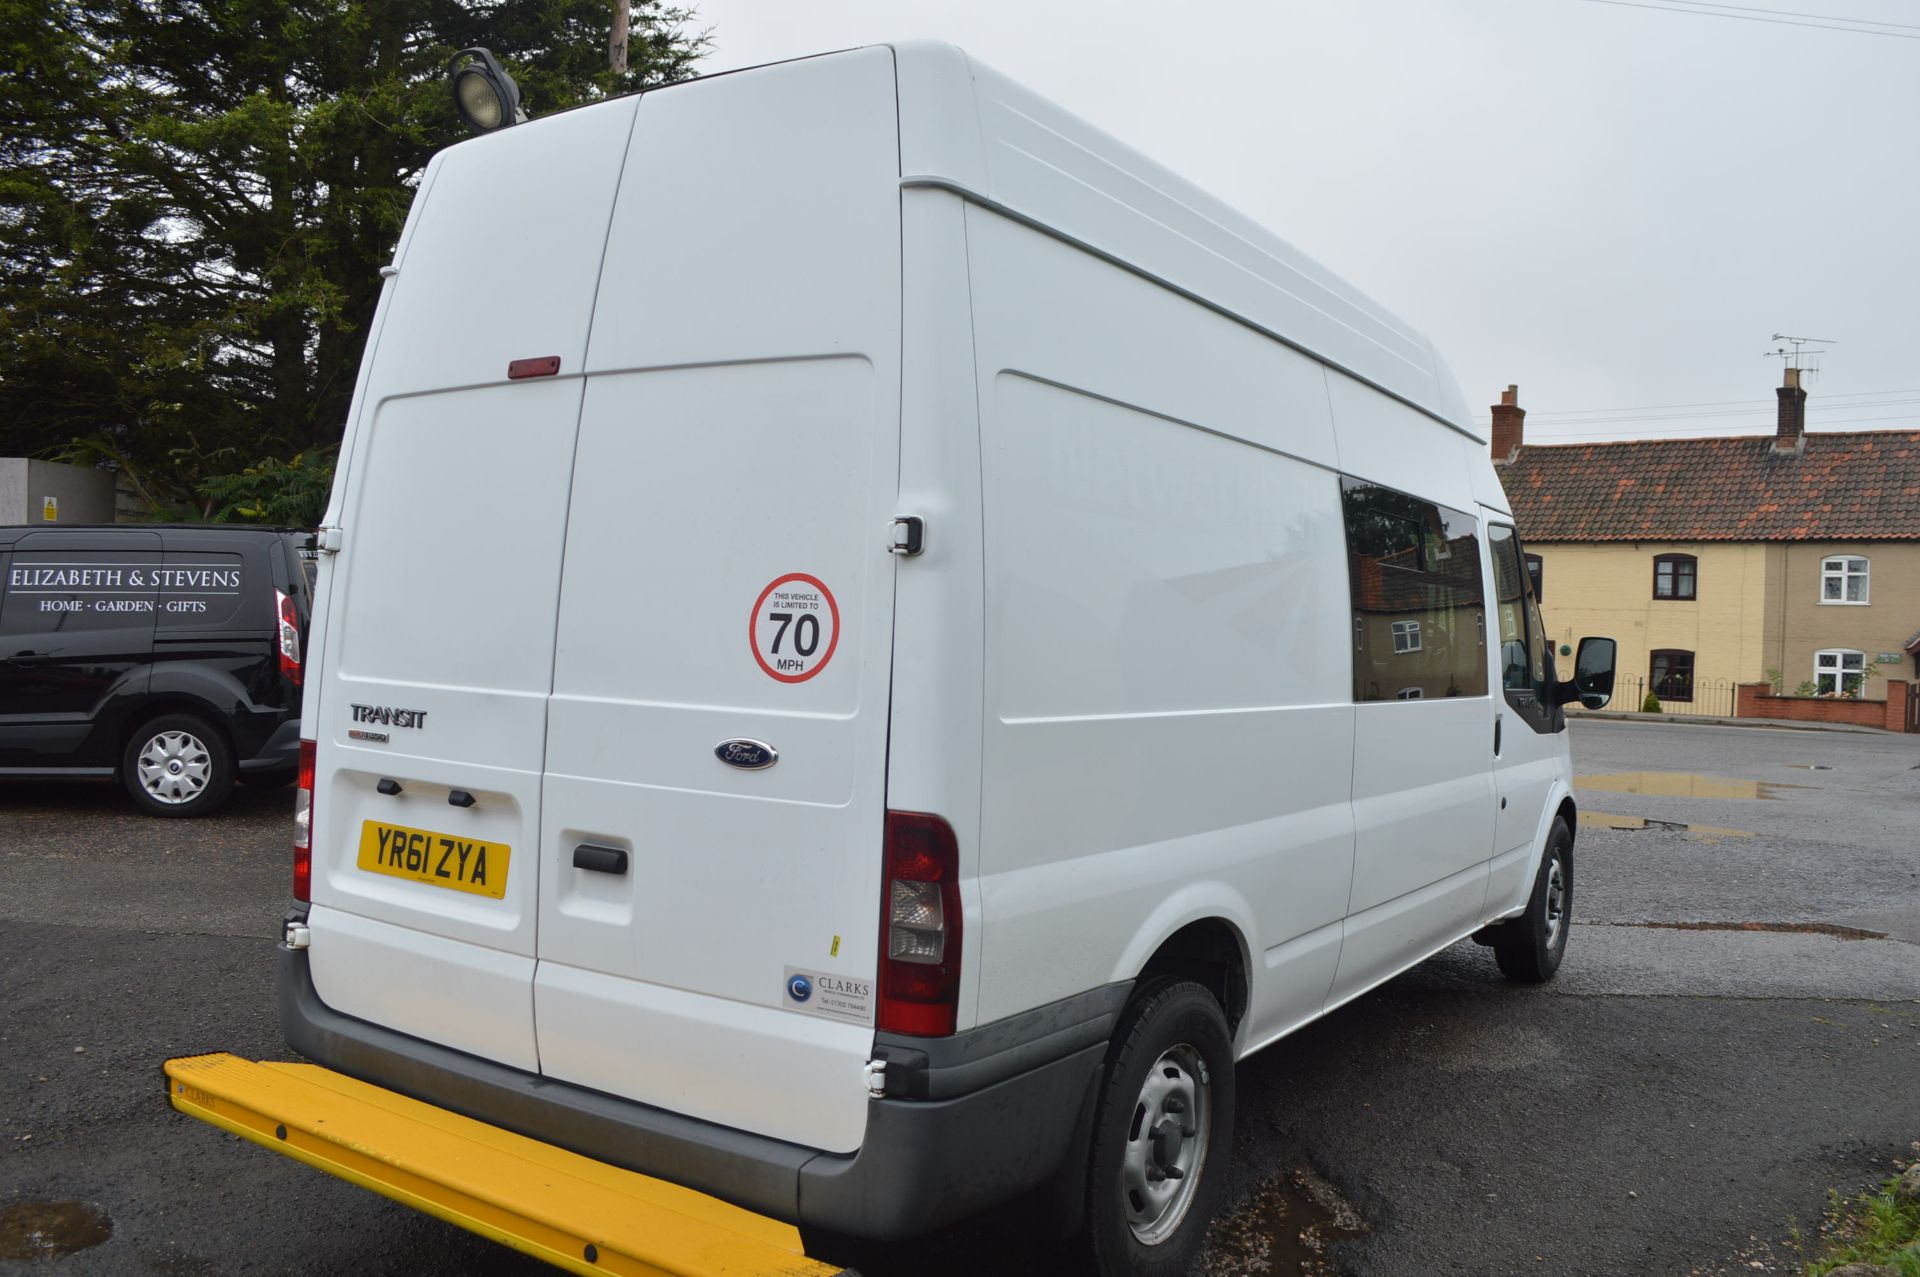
x=196 y=198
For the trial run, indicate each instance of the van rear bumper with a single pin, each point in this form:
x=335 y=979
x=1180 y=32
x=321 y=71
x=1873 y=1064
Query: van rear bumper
x=968 y=1121
x=279 y=752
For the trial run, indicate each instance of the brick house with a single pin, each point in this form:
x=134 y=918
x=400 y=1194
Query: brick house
x=1791 y=559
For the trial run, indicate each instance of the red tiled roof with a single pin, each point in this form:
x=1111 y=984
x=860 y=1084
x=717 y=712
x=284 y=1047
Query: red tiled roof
x=1856 y=486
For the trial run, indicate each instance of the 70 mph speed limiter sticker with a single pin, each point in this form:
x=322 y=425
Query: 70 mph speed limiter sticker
x=794 y=627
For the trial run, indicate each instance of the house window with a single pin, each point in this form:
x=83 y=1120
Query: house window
x=1839 y=671
x=1536 y=568
x=1672 y=675
x=1406 y=637
x=1410 y=694
x=1843 y=579
x=1674 y=576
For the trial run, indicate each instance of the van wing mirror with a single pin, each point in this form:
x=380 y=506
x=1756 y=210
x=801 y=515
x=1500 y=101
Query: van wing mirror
x=1592 y=682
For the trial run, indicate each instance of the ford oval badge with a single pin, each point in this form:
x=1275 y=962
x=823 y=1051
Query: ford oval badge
x=747 y=755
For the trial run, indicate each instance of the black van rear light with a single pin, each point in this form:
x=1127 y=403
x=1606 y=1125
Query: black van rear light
x=289 y=637
x=303 y=826
x=919 y=926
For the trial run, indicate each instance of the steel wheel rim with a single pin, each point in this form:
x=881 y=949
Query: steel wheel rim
x=174 y=767
x=1166 y=1146
x=1556 y=901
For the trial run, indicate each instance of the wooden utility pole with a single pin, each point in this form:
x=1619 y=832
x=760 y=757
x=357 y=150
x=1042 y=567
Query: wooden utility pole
x=617 y=42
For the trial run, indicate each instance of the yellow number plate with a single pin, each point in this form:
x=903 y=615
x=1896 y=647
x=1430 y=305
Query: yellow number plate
x=439 y=860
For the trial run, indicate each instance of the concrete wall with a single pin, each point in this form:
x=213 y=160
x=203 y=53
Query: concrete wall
x=85 y=495
x=1607 y=589
x=13 y=489
x=1883 y=624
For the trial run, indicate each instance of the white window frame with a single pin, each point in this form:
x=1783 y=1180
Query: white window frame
x=1411 y=694
x=1852 y=566
x=1837 y=671
x=1408 y=631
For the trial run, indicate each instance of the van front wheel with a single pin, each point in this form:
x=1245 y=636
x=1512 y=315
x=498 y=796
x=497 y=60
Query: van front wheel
x=1530 y=947
x=177 y=765
x=1162 y=1132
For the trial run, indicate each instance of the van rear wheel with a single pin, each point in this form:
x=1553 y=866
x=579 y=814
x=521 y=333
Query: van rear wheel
x=1530 y=947
x=1162 y=1132
x=177 y=765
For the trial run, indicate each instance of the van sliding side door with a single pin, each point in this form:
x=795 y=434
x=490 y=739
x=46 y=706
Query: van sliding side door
x=76 y=635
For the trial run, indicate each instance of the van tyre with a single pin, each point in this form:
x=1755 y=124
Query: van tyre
x=1161 y=1132
x=1530 y=947
x=177 y=765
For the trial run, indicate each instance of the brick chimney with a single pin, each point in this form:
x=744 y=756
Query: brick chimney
x=1790 y=439
x=1509 y=420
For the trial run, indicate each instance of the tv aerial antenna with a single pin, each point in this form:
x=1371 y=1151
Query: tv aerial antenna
x=1802 y=353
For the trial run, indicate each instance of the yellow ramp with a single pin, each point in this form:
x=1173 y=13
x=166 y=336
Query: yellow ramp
x=568 y=1210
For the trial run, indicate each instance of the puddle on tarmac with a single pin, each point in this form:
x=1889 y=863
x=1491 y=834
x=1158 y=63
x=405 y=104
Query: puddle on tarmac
x=1681 y=785
x=1607 y=820
x=1833 y=929
x=39 y=1230
x=1284 y=1226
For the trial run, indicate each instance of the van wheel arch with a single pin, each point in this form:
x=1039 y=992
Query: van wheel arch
x=1212 y=953
x=162 y=707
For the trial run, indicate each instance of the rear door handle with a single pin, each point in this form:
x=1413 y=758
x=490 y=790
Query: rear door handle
x=1497 y=718
x=29 y=658
x=605 y=860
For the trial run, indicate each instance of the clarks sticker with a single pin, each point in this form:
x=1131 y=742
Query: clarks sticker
x=838 y=997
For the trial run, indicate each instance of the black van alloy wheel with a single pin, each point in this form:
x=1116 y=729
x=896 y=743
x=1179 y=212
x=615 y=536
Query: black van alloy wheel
x=177 y=765
x=1161 y=1132
x=1529 y=948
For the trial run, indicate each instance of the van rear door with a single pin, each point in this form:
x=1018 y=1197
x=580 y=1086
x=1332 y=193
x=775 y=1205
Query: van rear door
x=430 y=722
x=716 y=743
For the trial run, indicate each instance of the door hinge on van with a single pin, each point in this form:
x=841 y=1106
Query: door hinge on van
x=909 y=536
x=327 y=539
x=875 y=1076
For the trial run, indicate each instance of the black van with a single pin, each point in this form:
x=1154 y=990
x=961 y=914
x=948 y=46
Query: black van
x=168 y=656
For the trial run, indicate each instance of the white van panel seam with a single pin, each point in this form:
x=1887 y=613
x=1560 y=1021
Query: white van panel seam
x=932 y=182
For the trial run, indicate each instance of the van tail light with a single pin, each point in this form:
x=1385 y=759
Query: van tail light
x=289 y=637
x=920 y=926
x=303 y=826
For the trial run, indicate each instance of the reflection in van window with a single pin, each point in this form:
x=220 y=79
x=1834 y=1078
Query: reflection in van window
x=1419 y=621
x=1523 y=645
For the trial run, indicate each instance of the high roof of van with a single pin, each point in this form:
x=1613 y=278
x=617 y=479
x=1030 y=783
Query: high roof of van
x=966 y=127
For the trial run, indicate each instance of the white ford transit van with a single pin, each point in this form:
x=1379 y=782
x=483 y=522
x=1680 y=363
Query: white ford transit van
x=871 y=642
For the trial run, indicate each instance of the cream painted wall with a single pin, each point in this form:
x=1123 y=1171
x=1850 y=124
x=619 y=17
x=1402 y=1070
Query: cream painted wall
x=1607 y=589
x=1884 y=624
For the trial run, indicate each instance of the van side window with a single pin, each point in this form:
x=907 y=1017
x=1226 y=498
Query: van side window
x=68 y=592
x=1526 y=664
x=1419 y=620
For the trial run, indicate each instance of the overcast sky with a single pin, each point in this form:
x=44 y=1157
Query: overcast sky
x=1614 y=207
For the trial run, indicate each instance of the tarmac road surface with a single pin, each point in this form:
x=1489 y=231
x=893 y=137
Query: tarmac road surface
x=1736 y=1030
